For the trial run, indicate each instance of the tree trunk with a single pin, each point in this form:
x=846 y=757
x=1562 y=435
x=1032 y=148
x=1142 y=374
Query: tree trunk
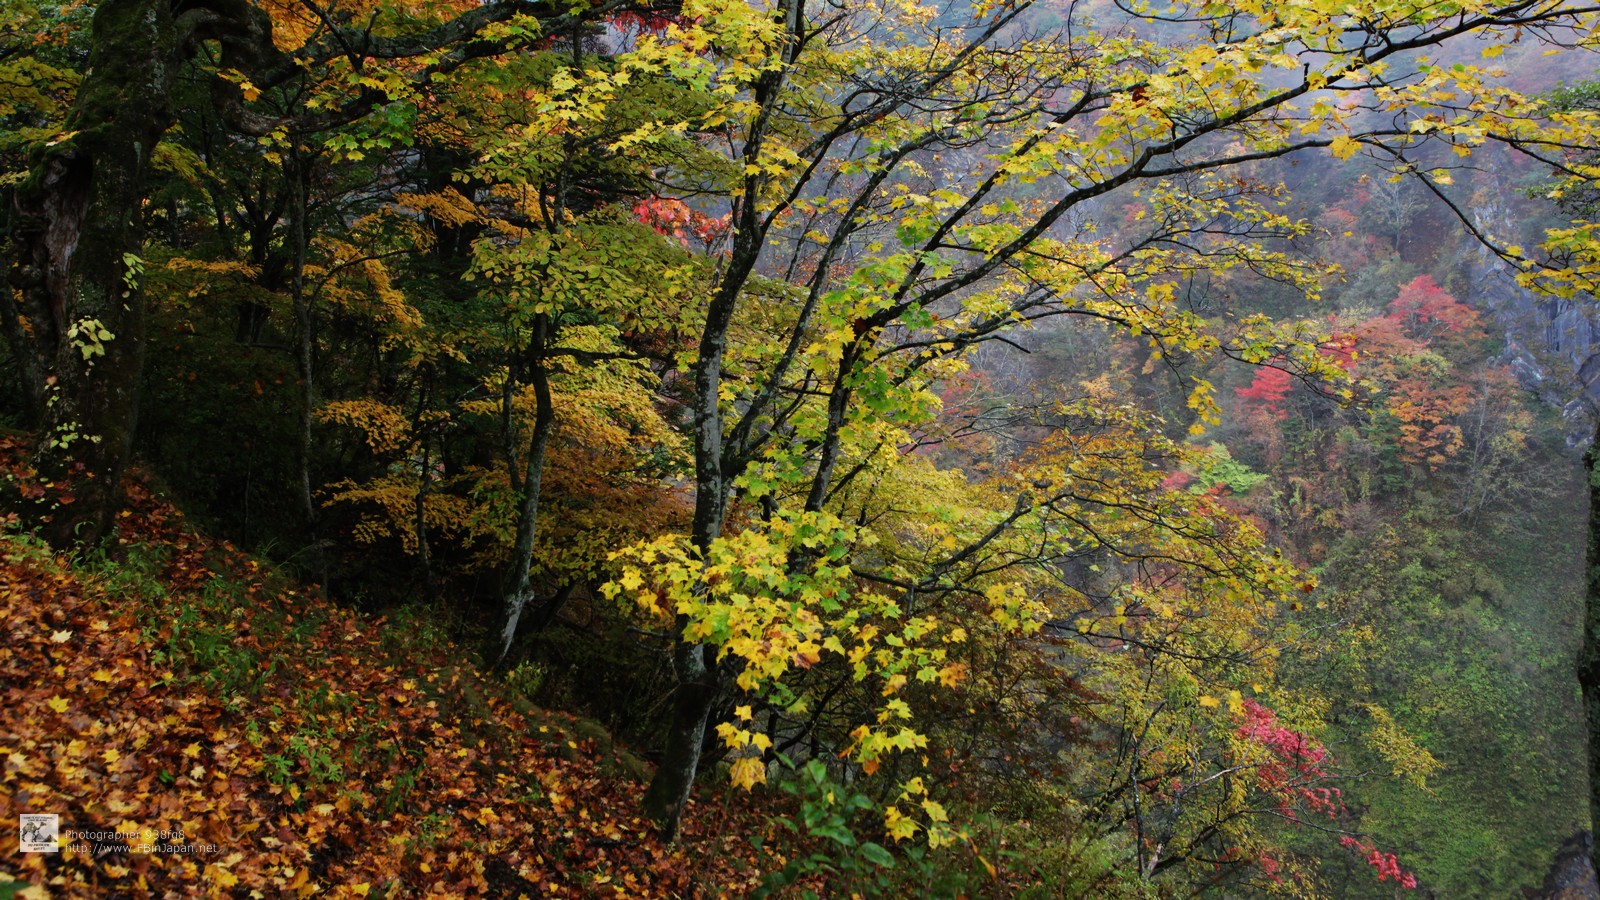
x=698 y=678
x=519 y=583
x=694 y=665
x=1589 y=652
x=695 y=693
x=77 y=230
x=297 y=171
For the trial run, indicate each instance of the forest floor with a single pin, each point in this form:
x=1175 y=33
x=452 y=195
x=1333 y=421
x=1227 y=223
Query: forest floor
x=223 y=731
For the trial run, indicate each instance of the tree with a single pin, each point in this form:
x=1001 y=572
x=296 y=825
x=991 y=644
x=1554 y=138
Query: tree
x=76 y=222
x=839 y=207
x=918 y=186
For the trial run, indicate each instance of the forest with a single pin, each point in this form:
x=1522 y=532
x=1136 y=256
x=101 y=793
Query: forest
x=799 y=448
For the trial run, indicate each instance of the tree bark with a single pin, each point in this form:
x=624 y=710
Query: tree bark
x=694 y=664
x=695 y=667
x=694 y=695
x=297 y=172
x=77 y=229
x=519 y=582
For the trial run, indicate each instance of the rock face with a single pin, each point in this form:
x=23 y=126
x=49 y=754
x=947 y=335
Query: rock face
x=1552 y=343
x=1573 y=876
x=1542 y=333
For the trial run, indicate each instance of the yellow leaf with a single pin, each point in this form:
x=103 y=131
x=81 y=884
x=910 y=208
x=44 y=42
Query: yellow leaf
x=1209 y=701
x=1344 y=147
x=743 y=713
x=360 y=890
x=748 y=772
x=60 y=637
x=897 y=825
x=57 y=704
x=101 y=675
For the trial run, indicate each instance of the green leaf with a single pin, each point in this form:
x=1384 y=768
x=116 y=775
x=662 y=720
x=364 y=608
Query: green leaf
x=876 y=855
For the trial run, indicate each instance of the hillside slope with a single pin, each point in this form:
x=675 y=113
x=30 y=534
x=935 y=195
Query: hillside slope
x=286 y=746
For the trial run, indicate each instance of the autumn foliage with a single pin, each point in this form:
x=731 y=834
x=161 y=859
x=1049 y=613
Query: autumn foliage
x=679 y=347
x=189 y=689
x=1269 y=387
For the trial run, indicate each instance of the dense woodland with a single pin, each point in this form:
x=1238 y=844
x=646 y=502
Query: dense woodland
x=1070 y=448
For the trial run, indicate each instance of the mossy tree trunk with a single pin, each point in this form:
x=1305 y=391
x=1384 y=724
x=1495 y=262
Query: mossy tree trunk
x=77 y=230
x=717 y=463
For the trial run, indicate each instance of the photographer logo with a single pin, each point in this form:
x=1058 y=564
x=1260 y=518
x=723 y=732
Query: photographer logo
x=39 y=832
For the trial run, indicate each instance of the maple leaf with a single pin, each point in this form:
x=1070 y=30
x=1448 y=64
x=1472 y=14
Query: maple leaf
x=748 y=772
x=898 y=825
x=221 y=876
